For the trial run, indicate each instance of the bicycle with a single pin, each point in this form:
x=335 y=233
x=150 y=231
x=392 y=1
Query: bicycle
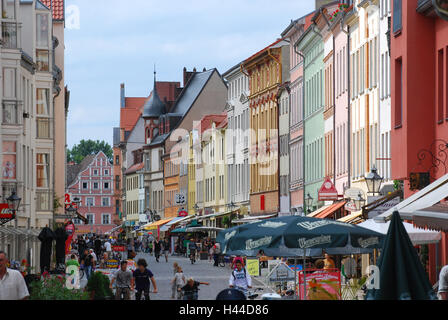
x=192 y=256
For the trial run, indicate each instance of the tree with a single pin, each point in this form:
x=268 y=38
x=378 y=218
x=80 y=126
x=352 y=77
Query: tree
x=87 y=147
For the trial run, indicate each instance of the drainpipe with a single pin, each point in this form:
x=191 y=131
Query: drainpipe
x=334 y=113
x=303 y=124
x=349 y=131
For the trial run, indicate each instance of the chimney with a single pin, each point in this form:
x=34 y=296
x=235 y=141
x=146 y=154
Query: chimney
x=185 y=76
x=122 y=99
x=203 y=70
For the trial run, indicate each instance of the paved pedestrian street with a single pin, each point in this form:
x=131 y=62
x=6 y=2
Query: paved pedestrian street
x=203 y=271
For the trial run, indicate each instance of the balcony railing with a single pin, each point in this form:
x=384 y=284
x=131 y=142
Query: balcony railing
x=10 y=112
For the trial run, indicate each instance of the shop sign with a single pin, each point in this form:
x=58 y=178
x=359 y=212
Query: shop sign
x=384 y=207
x=5 y=212
x=112 y=264
x=253 y=267
x=328 y=191
x=182 y=213
x=119 y=248
x=282 y=273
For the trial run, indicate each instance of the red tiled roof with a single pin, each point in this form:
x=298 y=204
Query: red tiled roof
x=57 y=7
x=262 y=50
x=135 y=168
x=133 y=109
x=206 y=121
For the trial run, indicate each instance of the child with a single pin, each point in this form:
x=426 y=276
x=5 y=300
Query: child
x=178 y=282
x=173 y=287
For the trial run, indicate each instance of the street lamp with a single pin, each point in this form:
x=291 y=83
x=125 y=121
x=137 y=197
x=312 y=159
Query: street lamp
x=359 y=202
x=373 y=181
x=308 y=202
x=14 y=201
x=71 y=210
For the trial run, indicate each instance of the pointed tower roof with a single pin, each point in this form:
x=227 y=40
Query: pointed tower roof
x=154 y=107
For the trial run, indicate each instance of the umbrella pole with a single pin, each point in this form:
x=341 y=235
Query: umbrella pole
x=295 y=274
x=304 y=275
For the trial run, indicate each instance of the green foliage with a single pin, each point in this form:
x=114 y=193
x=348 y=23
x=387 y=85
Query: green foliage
x=56 y=202
x=53 y=288
x=398 y=184
x=226 y=221
x=87 y=147
x=99 y=286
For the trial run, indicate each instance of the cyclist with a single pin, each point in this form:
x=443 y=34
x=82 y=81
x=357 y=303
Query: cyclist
x=190 y=290
x=125 y=282
x=240 y=279
x=192 y=246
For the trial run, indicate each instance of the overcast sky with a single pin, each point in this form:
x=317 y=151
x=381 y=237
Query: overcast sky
x=119 y=41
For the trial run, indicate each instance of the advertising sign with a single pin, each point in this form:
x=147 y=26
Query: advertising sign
x=282 y=273
x=384 y=207
x=320 y=284
x=119 y=248
x=253 y=267
x=112 y=264
x=5 y=212
x=328 y=191
x=182 y=213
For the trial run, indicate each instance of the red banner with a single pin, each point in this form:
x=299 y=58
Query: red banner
x=119 y=248
x=70 y=229
x=5 y=212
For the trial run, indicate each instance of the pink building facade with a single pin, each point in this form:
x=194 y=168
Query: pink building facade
x=296 y=168
x=92 y=182
x=341 y=105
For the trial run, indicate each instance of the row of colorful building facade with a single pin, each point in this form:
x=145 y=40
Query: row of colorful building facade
x=350 y=87
x=33 y=119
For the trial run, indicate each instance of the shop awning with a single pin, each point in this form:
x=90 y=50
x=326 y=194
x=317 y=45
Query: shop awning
x=315 y=213
x=173 y=222
x=422 y=199
x=331 y=209
x=434 y=217
x=418 y=236
x=113 y=229
x=214 y=215
x=156 y=224
x=354 y=218
x=253 y=218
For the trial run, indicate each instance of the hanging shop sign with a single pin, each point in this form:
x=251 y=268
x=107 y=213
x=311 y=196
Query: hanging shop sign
x=6 y=214
x=119 y=248
x=328 y=191
x=282 y=273
x=182 y=213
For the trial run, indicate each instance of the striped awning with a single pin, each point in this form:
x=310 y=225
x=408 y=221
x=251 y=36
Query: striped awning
x=315 y=213
x=156 y=224
x=331 y=209
x=354 y=218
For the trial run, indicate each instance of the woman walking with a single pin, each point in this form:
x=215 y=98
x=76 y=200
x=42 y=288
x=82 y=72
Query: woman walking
x=178 y=282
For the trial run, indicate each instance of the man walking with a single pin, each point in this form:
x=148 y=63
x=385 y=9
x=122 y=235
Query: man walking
x=88 y=263
x=12 y=283
x=142 y=277
x=124 y=282
x=157 y=249
x=108 y=248
x=166 y=249
x=443 y=283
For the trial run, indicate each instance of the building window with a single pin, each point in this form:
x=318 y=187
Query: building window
x=397 y=16
x=85 y=185
x=105 y=218
x=95 y=186
x=117 y=182
x=90 y=202
x=106 y=172
x=91 y=218
x=43 y=60
x=42 y=170
x=398 y=92
x=117 y=206
x=9 y=160
x=117 y=160
x=8 y=9
x=106 y=185
x=95 y=172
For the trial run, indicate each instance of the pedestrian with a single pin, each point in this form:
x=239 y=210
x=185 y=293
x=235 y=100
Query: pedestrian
x=216 y=253
x=12 y=283
x=240 y=279
x=81 y=245
x=150 y=245
x=142 y=277
x=95 y=258
x=130 y=246
x=124 y=282
x=190 y=290
x=97 y=245
x=173 y=287
x=166 y=248
x=443 y=283
x=88 y=263
x=192 y=246
x=157 y=249
x=131 y=265
x=178 y=283
x=108 y=248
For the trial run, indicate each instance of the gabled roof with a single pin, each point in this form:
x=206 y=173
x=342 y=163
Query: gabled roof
x=57 y=7
x=134 y=168
x=74 y=170
x=262 y=50
x=191 y=91
x=207 y=120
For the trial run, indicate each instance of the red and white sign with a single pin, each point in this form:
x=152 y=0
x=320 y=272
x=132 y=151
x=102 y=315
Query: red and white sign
x=350 y=206
x=183 y=213
x=118 y=248
x=70 y=230
x=328 y=191
x=5 y=212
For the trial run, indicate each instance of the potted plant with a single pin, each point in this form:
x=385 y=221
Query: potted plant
x=98 y=287
x=54 y=288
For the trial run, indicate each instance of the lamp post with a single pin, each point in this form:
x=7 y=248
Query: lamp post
x=373 y=181
x=308 y=202
x=359 y=202
x=14 y=202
